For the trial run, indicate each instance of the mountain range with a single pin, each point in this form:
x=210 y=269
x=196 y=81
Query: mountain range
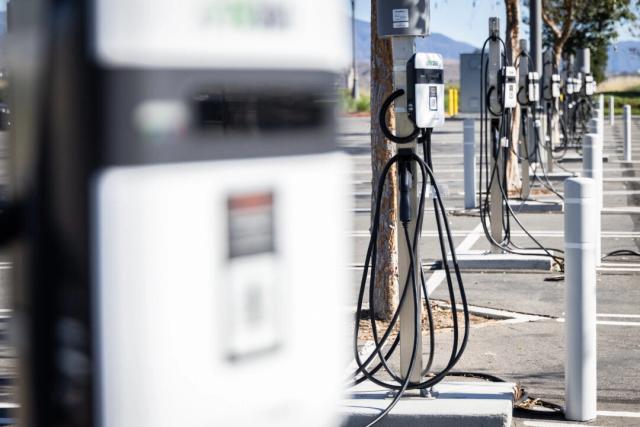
x=624 y=56
x=436 y=42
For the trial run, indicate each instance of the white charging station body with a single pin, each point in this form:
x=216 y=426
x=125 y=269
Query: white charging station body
x=425 y=90
x=220 y=269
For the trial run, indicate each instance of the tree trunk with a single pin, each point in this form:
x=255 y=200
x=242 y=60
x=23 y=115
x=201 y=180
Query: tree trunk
x=513 y=50
x=386 y=280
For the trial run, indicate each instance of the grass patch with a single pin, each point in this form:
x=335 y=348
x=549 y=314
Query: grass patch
x=627 y=97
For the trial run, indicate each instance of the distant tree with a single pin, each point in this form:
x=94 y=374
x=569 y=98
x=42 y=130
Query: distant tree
x=559 y=17
x=575 y=24
x=596 y=27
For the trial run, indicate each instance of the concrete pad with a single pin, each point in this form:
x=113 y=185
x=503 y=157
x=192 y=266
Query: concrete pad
x=478 y=404
x=482 y=260
x=535 y=206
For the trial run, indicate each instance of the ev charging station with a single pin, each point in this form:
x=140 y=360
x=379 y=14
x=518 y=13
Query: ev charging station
x=497 y=146
x=527 y=86
x=186 y=208
x=418 y=100
x=500 y=92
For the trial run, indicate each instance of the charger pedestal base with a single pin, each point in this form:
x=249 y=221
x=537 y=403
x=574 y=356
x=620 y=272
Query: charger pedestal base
x=478 y=404
x=535 y=206
x=483 y=260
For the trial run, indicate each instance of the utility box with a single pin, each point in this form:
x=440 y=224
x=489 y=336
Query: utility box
x=186 y=246
x=470 y=72
x=403 y=18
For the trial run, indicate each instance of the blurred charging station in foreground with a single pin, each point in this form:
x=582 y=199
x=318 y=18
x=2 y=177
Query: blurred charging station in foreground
x=184 y=255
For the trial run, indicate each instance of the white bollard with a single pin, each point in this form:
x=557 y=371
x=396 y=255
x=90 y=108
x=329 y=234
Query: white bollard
x=580 y=299
x=601 y=105
x=592 y=168
x=627 y=132
x=611 y=109
x=469 y=164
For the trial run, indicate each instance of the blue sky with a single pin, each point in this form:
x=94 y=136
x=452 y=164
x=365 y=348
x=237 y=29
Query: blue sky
x=461 y=20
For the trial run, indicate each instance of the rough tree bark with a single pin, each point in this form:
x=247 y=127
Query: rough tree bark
x=514 y=182
x=386 y=280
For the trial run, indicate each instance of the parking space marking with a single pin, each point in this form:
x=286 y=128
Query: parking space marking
x=624 y=316
x=439 y=275
x=618 y=414
x=607 y=322
x=549 y=424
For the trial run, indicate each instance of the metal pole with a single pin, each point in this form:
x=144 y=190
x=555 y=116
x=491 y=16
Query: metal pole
x=611 y=108
x=495 y=145
x=355 y=90
x=403 y=50
x=627 y=132
x=525 y=129
x=535 y=34
x=580 y=299
x=469 y=164
x=592 y=168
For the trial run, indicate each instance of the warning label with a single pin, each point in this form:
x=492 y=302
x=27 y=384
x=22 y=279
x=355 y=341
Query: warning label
x=400 y=15
x=400 y=25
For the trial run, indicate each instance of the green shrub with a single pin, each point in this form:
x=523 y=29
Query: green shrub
x=363 y=104
x=350 y=105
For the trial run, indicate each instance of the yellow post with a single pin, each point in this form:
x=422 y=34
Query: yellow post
x=455 y=103
x=450 y=102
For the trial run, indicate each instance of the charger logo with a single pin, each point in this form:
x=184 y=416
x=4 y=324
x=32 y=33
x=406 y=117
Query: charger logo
x=433 y=63
x=246 y=14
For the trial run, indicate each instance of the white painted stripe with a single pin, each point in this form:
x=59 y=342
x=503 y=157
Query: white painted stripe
x=620 y=414
x=607 y=322
x=618 y=270
x=616 y=323
x=627 y=210
x=621 y=192
x=624 y=316
x=549 y=424
x=438 y=276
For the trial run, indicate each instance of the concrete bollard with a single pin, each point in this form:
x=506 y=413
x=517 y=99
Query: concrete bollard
x=469 y=164
x=592 y=168
x=627 y=132
x=611 y=109
x=580 y=369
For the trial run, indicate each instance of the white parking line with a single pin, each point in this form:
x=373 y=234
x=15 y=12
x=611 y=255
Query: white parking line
x=608 y=322
x=624 y=316
x=620 y=414
x=439 y=275
x=549 y=424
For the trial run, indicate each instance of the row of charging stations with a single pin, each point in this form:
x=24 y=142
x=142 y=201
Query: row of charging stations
x=185 y=208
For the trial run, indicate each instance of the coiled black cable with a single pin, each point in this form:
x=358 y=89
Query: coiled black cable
x=382 y=118
x=381 y=357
